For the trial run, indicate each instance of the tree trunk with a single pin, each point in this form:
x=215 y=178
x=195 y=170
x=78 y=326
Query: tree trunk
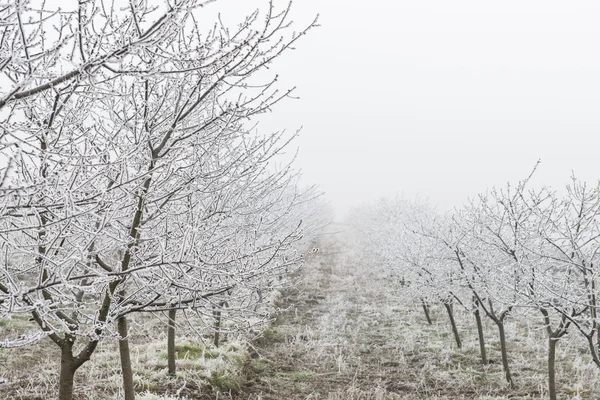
x=260 y=300
x=67 y=372
x=596 y=350
x=450 y=310
x=593 y=349
x=552 y=341
x=597 y=337
x=484 y=359
x=217 y=315
x=426 y=310
x=171 y=356
x=504 y=352
x=125 y=359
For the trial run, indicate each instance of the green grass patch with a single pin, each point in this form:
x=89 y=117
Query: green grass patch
x=192 y=352
x=272 y=335
x=222 y=382
x=260 y=366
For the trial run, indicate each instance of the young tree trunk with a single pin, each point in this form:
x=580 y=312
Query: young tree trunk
x=450 y=310
x=426 y=310
x=125 y=359
x=596 y=349
x=597 y=337
x=171 y=356
x=552 y=341
x=504 y=352
x=67 y=372
x=260 y=300
x=484 y=359
x=593 y=349
x=217 y=327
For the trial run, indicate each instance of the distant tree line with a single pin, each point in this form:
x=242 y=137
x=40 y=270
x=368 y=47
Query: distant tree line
x=512 y=250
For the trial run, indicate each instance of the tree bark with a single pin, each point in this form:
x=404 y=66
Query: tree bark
x=67 y=372
x=552 y=341
x=597 y=340
x=217 y=315
x=426 y=310
x=484 y=359
x=171 y=356
x=504 y=352
x=125 y=359
x=593 y=349
x=450 y=310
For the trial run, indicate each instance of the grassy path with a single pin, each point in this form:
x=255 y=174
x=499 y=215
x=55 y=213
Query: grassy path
x=335 y=342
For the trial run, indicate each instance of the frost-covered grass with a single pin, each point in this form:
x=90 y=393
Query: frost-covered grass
x=32 y=372
x=353 y=335
x=349 y=334
x=203 y=370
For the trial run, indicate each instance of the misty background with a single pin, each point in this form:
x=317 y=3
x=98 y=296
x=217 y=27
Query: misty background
x=440 y=99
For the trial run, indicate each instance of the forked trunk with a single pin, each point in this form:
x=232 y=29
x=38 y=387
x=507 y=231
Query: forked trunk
x=171 y=356
x=125 y=359
x=450 y=310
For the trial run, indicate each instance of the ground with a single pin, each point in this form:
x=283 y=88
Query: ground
x=350 y=333
x=346 y=331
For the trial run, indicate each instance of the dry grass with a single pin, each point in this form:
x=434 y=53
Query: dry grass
x=347 y=335
x=350 y=335
x=32 y=373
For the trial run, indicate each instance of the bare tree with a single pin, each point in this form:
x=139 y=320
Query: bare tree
x=150 y=119
x=512 y=250
x=398 y=235
x=565 y=252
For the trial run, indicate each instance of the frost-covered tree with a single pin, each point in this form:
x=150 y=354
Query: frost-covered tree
x=512 y=250
x=248 y=248
x=399 y=236
x=137 y=182
x=574 y=241
x=494 y=256
x=52 y=51
x=561 y=261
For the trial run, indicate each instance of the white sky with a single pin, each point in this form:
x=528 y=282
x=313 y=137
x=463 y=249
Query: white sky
x=442 y=98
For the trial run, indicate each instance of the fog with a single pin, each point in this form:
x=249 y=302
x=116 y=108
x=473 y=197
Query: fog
x=441 y=99
x=148 y=199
